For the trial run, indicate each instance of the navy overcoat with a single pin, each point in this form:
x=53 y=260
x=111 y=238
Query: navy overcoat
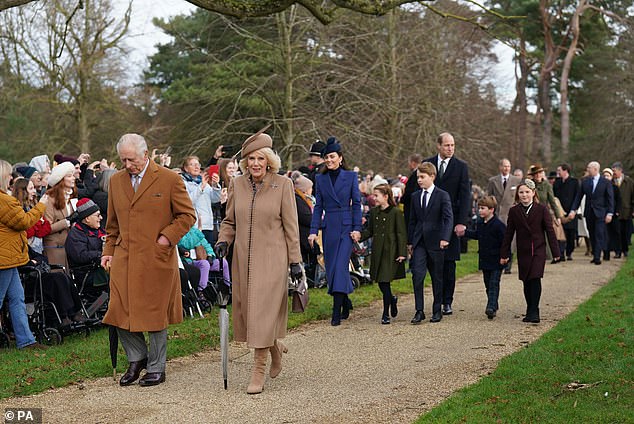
x=340 y=206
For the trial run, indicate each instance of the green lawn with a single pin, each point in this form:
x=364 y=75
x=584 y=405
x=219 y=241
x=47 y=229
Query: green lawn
x=79 y=358
x=594 y=345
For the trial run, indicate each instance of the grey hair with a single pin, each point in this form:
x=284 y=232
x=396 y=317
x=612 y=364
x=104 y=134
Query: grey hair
x=104 y=179
x=273 y=161
x=595 y=164
x=5 y=168
x=135 y=140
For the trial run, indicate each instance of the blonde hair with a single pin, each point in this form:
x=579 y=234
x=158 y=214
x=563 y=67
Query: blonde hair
x=274 y=163
x=5 y=168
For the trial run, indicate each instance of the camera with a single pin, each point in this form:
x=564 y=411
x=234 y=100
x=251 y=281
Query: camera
x=229 y=150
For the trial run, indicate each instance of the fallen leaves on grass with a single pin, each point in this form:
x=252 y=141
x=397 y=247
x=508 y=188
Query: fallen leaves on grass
x=575 y=385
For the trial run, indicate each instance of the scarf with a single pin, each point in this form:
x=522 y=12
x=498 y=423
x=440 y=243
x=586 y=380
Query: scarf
x=189 y=178
x=91 y=232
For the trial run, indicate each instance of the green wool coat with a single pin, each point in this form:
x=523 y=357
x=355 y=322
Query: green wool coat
x=387 y=229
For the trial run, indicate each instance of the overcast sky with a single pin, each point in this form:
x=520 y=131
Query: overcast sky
x=144 y=36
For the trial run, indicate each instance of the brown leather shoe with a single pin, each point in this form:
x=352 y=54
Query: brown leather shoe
x=152 y=379
x=36 y=345
x=133 y=372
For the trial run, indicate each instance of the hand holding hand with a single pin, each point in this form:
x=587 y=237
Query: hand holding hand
x=504 y=261
x=355 y=235
x=221 y=249
x=444 y=244
x=459 y=230
x=296 y=271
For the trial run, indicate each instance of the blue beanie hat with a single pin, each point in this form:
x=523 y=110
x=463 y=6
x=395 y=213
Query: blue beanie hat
x=332 y=145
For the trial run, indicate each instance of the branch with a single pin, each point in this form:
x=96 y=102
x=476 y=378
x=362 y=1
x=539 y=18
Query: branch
x=6 y=4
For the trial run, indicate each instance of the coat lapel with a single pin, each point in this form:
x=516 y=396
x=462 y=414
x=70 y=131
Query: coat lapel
x=147 y=180
x=332 y=189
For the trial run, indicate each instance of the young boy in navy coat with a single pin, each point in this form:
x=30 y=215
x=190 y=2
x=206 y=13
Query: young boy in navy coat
x=489 y=232
x=429 y=232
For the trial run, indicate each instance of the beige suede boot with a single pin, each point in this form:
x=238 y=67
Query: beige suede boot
x=276 y=358
x=257 y=374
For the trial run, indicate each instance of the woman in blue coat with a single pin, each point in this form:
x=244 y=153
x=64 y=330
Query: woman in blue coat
x=339 y=201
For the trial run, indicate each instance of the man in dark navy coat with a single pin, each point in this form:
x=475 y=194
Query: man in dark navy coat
x=452 y=177
x=566 y=189
x=598 y=210
x=428 y=235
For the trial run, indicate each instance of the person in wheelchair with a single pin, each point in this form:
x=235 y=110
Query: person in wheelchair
x=58 y=289
x=84 y=245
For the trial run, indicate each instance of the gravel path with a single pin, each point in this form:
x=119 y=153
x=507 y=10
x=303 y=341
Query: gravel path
x=359 y=372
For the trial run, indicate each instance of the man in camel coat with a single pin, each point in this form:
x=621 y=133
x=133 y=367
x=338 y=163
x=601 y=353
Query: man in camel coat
x=148 y=213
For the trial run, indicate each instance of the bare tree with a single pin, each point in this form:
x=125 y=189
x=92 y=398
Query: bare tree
x=73 y=51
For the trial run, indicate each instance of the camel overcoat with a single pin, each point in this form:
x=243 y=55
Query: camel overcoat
x=145 y=291
x=263 y=228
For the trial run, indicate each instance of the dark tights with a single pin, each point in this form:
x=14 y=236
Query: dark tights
x=387 y=297
x=532 y=293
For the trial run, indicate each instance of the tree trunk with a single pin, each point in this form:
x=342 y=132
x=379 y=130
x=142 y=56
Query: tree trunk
x=565 y=73
x=521 y=105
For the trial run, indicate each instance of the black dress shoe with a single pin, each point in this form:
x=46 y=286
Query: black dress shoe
x=152 y=379
x=490 y=313
x=418 y=317
x=346 y=308
x=385 y=319
x=133 y=372
x=436 y=317
x=446 y=310
x=394 y=307
x=335 y=322
x=534 y=320
x=617 y=256
x=569 y=258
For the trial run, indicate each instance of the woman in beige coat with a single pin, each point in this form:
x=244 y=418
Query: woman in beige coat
x=261 y=222
x=62 y=196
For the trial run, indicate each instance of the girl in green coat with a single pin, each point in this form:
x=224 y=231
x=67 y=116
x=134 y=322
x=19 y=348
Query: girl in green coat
x=389 y=247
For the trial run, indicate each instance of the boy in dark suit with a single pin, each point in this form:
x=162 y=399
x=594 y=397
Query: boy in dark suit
x=489 y=232
x=429 y=232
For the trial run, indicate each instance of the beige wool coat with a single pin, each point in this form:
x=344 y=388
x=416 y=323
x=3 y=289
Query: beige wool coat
x=145 y=291
x=265 y=235
x=54 y=242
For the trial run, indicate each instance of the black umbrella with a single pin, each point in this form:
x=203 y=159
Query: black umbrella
x=113 y=338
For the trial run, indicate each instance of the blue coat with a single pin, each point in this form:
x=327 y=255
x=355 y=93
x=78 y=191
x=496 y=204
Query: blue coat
x=455 y=181
x=433 y=224
x=601 y=200
x=490 y=236
x=341 y=209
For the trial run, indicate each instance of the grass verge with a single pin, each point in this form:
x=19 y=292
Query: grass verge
x=80 y=358
x=592 y=346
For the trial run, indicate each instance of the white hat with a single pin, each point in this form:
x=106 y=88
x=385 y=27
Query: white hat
x=59 y=172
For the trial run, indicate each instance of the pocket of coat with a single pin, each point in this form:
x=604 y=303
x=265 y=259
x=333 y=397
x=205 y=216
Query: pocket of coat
x=163 y=252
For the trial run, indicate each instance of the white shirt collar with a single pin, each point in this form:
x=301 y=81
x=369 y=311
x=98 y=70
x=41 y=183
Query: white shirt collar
x=441 y=159
x=142 y=173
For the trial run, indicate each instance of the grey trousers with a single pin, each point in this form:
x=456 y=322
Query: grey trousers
x=136 y=349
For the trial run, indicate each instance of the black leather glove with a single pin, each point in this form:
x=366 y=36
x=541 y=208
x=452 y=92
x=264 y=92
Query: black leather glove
x=296 y=272
x=221 y=249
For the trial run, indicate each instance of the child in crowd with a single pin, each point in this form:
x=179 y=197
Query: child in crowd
x=489 y=232
x=428 y=235
x=386 y=225
x=195 y=240
x=529 y=221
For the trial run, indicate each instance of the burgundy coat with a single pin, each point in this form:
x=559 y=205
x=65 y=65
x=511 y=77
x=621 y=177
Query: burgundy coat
x=530 y=231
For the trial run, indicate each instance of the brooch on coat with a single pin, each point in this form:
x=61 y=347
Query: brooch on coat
x=274 y=185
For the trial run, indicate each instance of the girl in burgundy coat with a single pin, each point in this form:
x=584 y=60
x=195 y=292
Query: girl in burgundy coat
x=528 y=220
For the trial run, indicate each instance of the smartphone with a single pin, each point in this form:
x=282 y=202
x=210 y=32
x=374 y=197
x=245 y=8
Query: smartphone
x=229 y=149
x=168 y=150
